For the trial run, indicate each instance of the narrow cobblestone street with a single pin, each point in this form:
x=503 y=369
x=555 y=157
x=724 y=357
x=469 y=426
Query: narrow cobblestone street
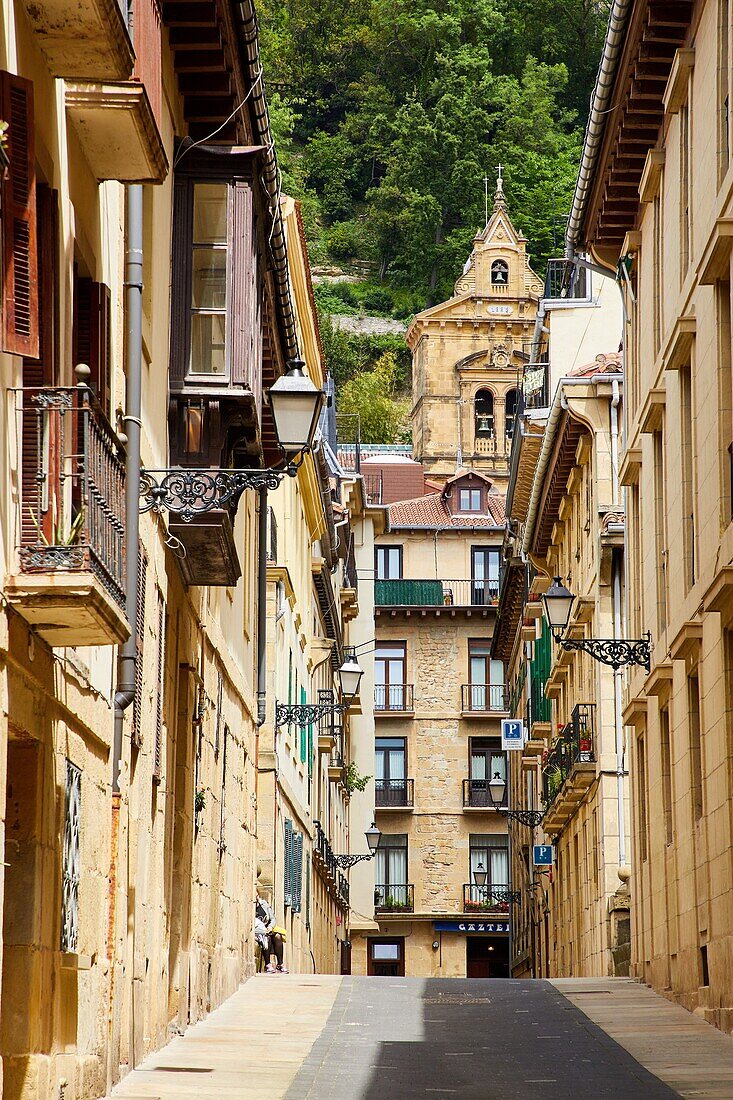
x=299 y=1037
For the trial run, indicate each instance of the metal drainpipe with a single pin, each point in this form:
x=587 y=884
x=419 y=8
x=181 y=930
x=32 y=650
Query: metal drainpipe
x=262 y=611
x=133 y=308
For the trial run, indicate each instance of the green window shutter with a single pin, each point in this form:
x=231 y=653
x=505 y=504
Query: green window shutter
x=288 y=861
x=310 y=749
x=303 y=739
x=297 y=871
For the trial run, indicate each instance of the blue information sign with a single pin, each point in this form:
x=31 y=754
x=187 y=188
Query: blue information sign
x=512 y=733
x=542 y=855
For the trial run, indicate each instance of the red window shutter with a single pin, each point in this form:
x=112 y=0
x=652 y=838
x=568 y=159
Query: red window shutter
x=36 y=373
x=20 y=294
x=148 y=66
x=91 y=339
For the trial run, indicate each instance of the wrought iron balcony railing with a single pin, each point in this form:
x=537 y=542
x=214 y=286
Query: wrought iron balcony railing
x=72 y=487
x=477 y=796
x=575 y=745
x=565 y=279
x=325 y=861
x=484 y=698
x=392 y=794
x=494 y=898
x=436 y=593
x=393 y=698
x=373 y=487
x=391 y=898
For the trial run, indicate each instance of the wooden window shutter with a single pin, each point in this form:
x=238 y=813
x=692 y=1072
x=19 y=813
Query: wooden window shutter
x=142 y=572
x=91 y=336
x=160 y=687
x=288 y=862
x=222 y=818
x=297 y=872
x=245 y=355
x=20 y=258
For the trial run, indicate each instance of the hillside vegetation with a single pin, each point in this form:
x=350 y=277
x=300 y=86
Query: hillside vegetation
x=389 y=113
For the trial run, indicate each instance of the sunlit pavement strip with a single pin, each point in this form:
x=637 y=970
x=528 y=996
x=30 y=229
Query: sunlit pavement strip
x=695 y=1059
x=250 y=1048
x=328 y=1038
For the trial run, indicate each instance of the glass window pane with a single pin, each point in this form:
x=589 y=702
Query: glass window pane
x=209 y=279
x=208 y=334
x=210 y=213
x=385 y=951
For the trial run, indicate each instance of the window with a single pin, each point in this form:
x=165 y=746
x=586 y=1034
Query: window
x=499 y=273
x=137 y=702
x=666 y=755
x=510 y=411
x=469 y=500
x=484 y=574
x=660 y=525
x=390 y=690
x=484 y=414
x=215 y=322
x=91 y=334
x=657 y=268
x=391 y=871
x=642 y=797
x=685 y=190
x=160 y=690
x=488 y=852
x=725 y=397
x=71 y=865
x=723 y=88
x=389 y=771
x=486 y=677
x=388 y=563
x=688 y=485
x=693 y=716
x=486 y=761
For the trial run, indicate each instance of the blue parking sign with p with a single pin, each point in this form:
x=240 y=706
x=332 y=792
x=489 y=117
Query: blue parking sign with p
x=512 y=733
x=542 y=855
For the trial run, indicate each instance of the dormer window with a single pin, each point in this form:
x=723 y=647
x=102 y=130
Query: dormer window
x=499 y=273
x=469 y=500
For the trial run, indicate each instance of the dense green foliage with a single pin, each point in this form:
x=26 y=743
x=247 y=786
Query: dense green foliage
x=387 y=116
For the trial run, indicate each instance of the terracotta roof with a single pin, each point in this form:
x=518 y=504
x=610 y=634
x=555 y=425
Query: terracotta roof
x=432 y=511
x=612 y=363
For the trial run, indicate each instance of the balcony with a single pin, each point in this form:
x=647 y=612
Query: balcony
x=71 y=583
x=477 y=796
x=436 y=593
x=569 y=769
x=487 y=899
x=484 y=699
x=117 y=131
x=393 y=699
x=394 y=794
x=389 y=898
x=87 y=39
x=325 y=863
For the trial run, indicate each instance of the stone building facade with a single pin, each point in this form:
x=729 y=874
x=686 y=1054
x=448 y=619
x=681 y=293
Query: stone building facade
x=670 y=233
x=468 y=354
x=438 y=701
x=128 y=772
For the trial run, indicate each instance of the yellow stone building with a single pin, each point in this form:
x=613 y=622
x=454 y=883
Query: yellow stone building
x=468 y=354
x=128 y=760
x=664 y=216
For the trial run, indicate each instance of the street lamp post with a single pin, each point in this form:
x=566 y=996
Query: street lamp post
x=497 y=792
x=303 y=714
x=616 y=652
x=296 y=405
x=501 y=895
x=373 y=836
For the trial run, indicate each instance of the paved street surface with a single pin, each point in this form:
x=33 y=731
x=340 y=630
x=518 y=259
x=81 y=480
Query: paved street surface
x=327 y=1038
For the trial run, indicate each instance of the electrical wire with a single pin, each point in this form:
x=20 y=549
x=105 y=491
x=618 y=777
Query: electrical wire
x=183 y=149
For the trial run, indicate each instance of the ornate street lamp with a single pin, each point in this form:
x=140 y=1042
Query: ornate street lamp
x=296 y=406
x=497 y=895
x=616 y=652
x=304 y=714
x=373 y=836
x=350 y=674
x=479 y=876
x=497 y=791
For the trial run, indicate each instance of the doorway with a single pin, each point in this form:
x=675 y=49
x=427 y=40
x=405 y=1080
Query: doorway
x=487 y=956
x=386 y=958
